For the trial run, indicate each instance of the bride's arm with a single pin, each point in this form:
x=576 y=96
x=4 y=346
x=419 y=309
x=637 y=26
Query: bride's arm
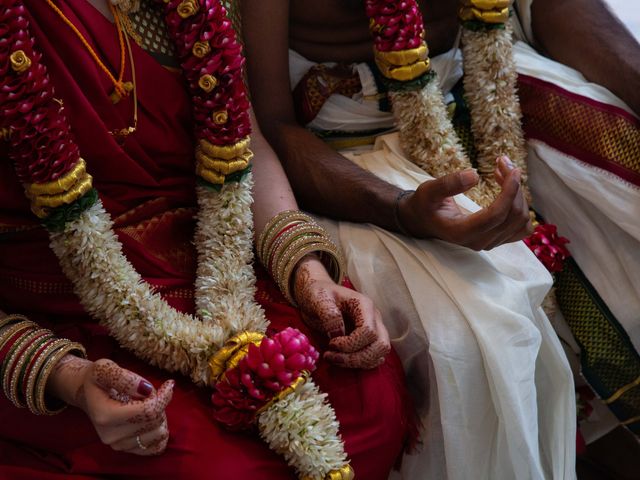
x=358 y=336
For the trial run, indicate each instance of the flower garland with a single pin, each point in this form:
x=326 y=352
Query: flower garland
x=426 y=131
x=257 y=380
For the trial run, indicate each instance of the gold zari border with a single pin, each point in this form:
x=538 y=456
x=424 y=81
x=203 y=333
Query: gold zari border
x=572 y=122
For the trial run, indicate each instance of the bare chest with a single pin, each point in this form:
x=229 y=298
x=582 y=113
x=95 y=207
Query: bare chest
x=337 y=30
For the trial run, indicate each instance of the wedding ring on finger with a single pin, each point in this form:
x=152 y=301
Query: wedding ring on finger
x=141 y=445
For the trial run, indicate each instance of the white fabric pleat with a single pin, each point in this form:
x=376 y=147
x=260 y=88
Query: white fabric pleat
x=495 y=390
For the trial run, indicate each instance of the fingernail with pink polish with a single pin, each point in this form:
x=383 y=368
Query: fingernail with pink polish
x=145 y=388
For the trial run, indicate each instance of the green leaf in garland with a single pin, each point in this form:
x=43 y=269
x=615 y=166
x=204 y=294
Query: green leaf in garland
x=478 y=26
x=234 y=177
x=60 y=216
x=416 y=84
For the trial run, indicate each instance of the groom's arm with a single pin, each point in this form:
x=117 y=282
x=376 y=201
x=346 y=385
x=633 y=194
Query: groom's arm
x=585 y=35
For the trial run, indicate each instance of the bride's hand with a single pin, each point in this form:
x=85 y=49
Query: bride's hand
x=126 y=411
x=358 y=338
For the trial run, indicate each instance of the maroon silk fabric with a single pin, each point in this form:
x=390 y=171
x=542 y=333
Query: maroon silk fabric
x=147 y=185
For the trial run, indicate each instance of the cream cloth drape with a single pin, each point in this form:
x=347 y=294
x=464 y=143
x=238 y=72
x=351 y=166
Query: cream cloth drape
x=495 y=391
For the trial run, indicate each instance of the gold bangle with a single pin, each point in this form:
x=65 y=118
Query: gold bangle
x=12 y=318
x=326 y=247
x=277 y=222
x=11 y=359
x=43 y=377
x=11 y=330
x=272 y=240
x=285 y=231
x=17 y=379
x=35 y=371
x=285 y=252
x=285 y=281
x=298 y=232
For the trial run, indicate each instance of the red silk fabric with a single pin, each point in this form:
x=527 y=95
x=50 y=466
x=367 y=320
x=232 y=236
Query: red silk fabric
x=147 y=185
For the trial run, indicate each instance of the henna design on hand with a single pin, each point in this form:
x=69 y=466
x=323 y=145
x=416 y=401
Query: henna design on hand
x=71 y=364
x=154 y=407
x=80 y=395
x=369 y=357
x=317 y=306
x=111 y=376
x=361 y=336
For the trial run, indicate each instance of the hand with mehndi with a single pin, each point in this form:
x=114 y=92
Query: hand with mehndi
x=358 y=338
x=126 y=411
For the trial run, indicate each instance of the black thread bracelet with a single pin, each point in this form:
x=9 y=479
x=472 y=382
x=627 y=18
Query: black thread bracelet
x=396 y=211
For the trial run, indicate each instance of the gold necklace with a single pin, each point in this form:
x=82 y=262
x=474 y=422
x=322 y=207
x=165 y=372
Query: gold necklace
x=122 y=133
x=121 y=88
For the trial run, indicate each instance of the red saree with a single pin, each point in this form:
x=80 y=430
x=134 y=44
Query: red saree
x=147 y=185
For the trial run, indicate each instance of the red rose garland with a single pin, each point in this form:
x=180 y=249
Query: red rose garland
x=42 y=147
x=221 y=114
x=395 y=25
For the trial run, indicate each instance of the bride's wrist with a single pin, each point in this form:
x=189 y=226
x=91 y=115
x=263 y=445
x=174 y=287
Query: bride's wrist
x=67 y=379
x=308 y=270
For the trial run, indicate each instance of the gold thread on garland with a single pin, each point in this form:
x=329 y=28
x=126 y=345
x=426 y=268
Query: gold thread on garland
x=297 y=383
x=19 y=61
x=188 y=8
x=207 y=82
x=220 y=117
x=77 y=173
x=201 y=49
x=225 y=152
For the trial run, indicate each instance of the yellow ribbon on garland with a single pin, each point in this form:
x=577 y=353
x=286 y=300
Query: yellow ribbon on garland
x=62 y=191
x=404 y=57
x=485 y=11
x=215 y=162
x=404 y=65
x=232 y=352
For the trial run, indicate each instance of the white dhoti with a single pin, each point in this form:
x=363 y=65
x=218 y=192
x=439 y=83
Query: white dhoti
x=494 y=389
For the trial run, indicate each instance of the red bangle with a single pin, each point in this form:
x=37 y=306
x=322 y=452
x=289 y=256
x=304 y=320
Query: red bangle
x=15 y=360
x=18 y=331
x=39 y=349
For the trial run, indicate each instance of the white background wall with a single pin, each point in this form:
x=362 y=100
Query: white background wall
x=629 y=13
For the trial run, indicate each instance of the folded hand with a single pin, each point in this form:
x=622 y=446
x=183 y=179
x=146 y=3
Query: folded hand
x=358 y=338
